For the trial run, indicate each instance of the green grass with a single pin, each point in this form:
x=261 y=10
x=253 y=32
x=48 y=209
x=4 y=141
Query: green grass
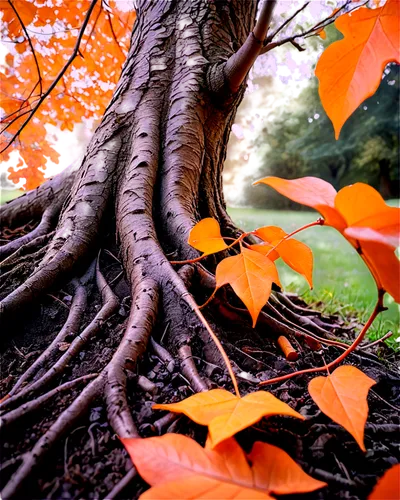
x=9 y=194
x=342 y=282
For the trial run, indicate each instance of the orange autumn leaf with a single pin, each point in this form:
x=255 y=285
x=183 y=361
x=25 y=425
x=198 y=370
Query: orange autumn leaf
x=367 y=216
x=26 y=12
x=350 y=70
x=356 y=210
x=226 y=414
x=388 y=486
x=250 y=274
x=335 y=395
x=206 y=237
x=294 y=253
x=287 y=479
x=178 y=467
x=83 y=92
x=311 y=192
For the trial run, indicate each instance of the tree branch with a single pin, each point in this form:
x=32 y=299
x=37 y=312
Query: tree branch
x=30 y=45
x=317 y=28
x=240 y=63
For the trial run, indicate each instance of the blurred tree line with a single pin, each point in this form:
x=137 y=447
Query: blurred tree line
x=301 y=142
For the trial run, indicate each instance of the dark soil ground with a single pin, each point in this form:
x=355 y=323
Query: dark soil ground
x=90 y=460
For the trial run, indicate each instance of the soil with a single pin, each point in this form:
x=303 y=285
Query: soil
x=91 y=460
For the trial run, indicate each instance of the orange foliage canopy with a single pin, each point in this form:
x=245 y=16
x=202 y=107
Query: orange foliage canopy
x=41 y=38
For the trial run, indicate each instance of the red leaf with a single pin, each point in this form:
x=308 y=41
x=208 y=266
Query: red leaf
x=178 y=467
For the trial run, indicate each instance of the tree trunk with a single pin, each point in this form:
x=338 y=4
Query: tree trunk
x=151 y=171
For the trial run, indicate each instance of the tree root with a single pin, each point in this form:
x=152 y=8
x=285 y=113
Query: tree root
x=32 y=204
x=70 y=329
x=110 y=304
x=13 y=415
x=46 y=224
x=189 y=369
x=121 y=485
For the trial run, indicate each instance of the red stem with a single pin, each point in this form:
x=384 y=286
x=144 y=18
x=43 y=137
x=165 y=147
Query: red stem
x=197 y=259
x=318 y=222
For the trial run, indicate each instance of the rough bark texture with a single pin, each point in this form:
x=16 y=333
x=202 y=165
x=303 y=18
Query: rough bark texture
x=75 y=316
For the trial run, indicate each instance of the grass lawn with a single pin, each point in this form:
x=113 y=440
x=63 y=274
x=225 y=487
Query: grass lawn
x=341 y=279
x=9 y=194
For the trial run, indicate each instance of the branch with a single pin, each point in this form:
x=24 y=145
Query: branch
x=240 y=63
x=58 y=77
x=269 y=45
x=30 y=45
x=289 y=20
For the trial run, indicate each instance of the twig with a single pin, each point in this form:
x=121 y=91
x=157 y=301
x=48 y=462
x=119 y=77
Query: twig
x=385 y=337
x=378 y=308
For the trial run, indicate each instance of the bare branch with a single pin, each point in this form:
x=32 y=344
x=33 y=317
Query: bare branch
x=315 y=30
x=58 y=77
x=282 y=26
x=239 y=64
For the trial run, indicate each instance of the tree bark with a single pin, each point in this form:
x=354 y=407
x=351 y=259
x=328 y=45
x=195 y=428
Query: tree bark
x=151 y=171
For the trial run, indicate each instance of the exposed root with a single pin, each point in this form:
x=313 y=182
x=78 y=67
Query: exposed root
x=46 y=224
x=189 y=369
x=294 y=307
x=63 y=423
x=164 y=423
x=70 y=329
x=23 y=251
x=110 y=304
x=31 y=205
x=35 y=404
x=163 y=354
x=121 y=485
x=146 y=385
x=133 y=345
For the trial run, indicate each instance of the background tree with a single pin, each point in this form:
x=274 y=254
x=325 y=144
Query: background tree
x=301 y=143
x=86 y=277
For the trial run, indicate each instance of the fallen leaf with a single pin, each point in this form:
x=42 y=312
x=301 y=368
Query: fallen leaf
x=206 y=237
x=250 y=274
x=388 y=486
x=342 y=396
x=294 y=253
x=178 y=467
x=274 y=470
x=225 y=414
x=350 y=70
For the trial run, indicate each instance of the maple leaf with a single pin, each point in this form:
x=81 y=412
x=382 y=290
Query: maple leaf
x=294 y=253
x=388 y=486
x=336 y=396
x=84 y=90
x=350 y=70
x=360 y=213
x=251 y=275
x=178 y=467
x=226 y=414
x=206 y=237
